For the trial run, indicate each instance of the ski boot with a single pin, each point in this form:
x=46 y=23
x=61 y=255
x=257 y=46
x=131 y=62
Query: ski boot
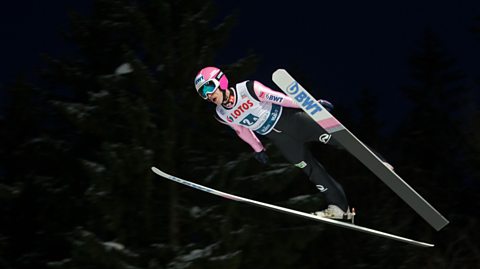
x=334 y=212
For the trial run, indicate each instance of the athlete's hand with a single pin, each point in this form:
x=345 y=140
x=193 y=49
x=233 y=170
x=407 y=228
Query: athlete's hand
x=326 y=104
x=261 y=157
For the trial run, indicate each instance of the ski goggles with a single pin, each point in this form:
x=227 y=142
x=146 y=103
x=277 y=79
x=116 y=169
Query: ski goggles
x=207 y=88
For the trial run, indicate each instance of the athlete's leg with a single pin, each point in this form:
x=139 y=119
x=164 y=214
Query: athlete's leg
x=296 y=153
x=301 y=126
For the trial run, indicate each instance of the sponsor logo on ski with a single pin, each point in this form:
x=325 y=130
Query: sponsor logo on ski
x=191 y=184
x=324 y=138
x=301 y=96
x=240 y=110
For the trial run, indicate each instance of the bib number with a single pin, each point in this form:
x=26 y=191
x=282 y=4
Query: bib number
x=249 y=120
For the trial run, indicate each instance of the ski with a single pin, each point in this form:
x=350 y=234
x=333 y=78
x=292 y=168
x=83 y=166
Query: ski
x=289 y=211
x=353 y=145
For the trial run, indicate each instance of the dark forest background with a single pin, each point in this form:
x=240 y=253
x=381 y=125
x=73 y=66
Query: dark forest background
x=77 y=144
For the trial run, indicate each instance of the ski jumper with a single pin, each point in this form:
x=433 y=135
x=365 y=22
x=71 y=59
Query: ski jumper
x=258 y=109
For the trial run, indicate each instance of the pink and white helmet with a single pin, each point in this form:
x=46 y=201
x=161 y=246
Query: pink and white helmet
x=208 y=80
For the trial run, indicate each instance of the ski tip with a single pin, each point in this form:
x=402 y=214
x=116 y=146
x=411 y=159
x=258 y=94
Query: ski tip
x=277 y=73
x=160 y=172
x=156 y=170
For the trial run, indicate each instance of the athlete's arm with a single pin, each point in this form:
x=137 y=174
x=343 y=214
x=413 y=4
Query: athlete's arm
x=245 y=134
x=248 y=136
x=265 y=94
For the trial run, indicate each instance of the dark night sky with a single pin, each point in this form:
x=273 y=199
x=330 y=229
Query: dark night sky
x=347 y=45
x=342 y=45
x=31 y=28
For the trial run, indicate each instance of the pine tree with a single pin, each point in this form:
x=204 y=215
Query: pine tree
x=473 y=141
x=153 y=117
x=39 y=193
x=434 y=122
x=98 y=131
x=432 y=142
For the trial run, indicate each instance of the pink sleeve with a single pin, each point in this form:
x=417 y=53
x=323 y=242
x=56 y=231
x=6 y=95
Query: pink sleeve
x=266 y=94
x=248 y=136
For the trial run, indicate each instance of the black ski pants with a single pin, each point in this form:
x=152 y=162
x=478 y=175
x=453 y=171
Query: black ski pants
x=290 y=134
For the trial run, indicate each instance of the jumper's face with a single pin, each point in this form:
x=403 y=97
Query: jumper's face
x=216 y=97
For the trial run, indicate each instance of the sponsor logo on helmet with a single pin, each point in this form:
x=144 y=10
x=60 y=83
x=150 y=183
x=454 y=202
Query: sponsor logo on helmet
x=240 y=110
x=199 y=79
